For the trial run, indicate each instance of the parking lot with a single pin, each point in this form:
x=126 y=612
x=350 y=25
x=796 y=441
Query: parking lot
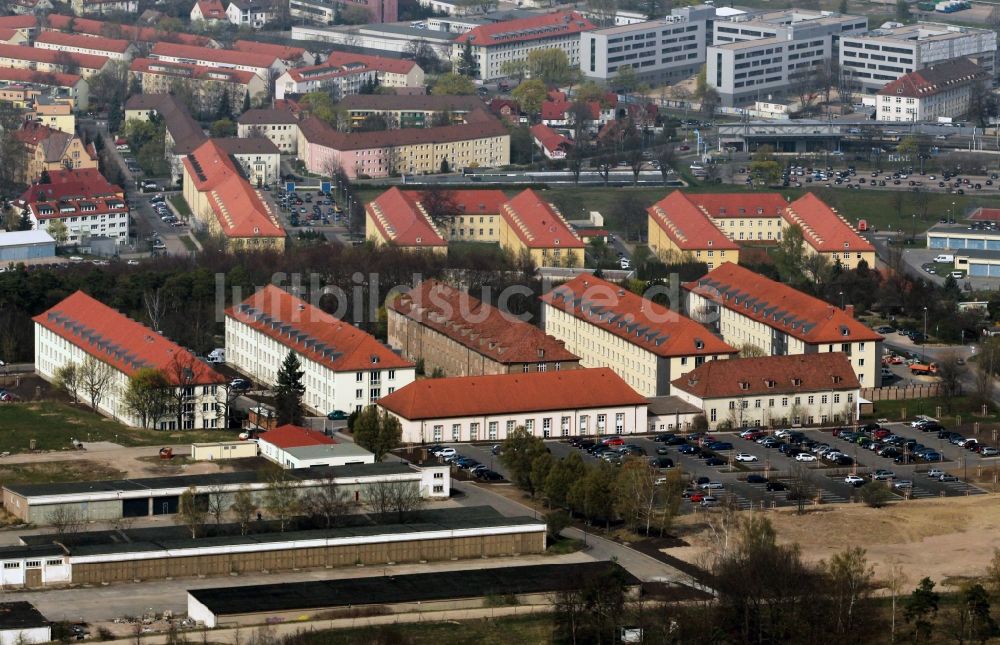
x=823 y=482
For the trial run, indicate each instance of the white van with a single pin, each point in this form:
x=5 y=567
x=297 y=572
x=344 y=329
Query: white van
x=217 y=355
x=944 y=257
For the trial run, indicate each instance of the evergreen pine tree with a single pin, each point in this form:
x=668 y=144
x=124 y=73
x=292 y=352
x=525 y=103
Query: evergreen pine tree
x=224 y=111
x=288 y=392
x=246 y=101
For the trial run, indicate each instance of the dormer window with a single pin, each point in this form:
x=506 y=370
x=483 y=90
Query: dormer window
x=837 y=379
x=744 y=385
x=796 y=382
x=699 y=344
x=769 y=383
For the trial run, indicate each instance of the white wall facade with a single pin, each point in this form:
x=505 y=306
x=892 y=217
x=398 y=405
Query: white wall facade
x=26 y=636
x=93 y=51
x=80 y=226
x=492 y=57
x=204 y=407
x=284 y=135
x=951 y=102
x=286 y=459
x=260 y=356
x=777 y=409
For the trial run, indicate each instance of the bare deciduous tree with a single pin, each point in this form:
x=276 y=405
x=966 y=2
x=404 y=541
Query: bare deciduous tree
x=243 y=508
x=399 y=498
x=327 y=502
x=95 y=377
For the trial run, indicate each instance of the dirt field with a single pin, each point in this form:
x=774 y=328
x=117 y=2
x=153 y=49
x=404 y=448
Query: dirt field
x=941 y=538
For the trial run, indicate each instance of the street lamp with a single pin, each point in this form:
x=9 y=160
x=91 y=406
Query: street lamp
x=841 y=293
x=923 y=348
x=952 y=213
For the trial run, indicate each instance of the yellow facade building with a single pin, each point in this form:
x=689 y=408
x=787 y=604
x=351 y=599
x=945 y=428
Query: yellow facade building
x=680 y=231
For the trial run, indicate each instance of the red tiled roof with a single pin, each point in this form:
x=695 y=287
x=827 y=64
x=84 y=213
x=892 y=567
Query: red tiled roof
x=508 y=394
x=322 y=338
x=635 y=319
x=82 y=41
x=64 y=184
x=934 y=79
x=41 y=78
x=290 y=436
x=779 y=306
x=556 y=110
x=727 y=205
x=740 y=377
x=822 y=228
x=320 y=133
x=559 y=23
x=7 y=34
x=238 y=208
x=51 y=56
x=103 y=29
x=284 y=52
x=340 y=63
x=479 y=326
x=537 y=223
x=549 y=138
x=18 y=22
x=187 y=70
x=222 y=56
x=688 y=227
x=473 y=202
x=119 y=341
x=212 y=9
x=399 y=218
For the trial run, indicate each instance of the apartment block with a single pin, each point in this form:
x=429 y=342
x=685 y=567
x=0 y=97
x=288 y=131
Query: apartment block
x=645 y=343
x=82 y=331
x=49 y=61
x=883 y=55
x=940 y=90
x=83 y=201
x=344 y=367
x=280 y=127
x=451 y=331
x=746 y=309
x=102 y=29
x=410 y=110
x=494 y=44
x=208 y=85
x=344 y=74
x=660 y=51
x=183 y=133
x=112 y=48
x=678 y=231
x=757 y=57
x=263 y=65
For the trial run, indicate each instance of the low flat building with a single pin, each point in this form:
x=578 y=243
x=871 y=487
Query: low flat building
x=670 y=414
x=226 y=204
x=344 y=367
x=410 y=111
x=113 y=48
x=392 y=39
x=645 y=343
x=279 y=126
x=22 y=624
x=325 y=12
x=292 y=446
x=110 y=347
x=773 y=391
x=747 y=309
x=207 y=85
x=83 y=202
x=47 y=60
x=573 y=403
x=453 y=332
x=19 y=246
x=419 y=592
x=259 y=158
x=961 y=237
x=679 y=231
x=223 y=450
x=939 y=90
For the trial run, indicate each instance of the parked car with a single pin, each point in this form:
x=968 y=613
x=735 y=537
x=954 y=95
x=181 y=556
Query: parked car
x=239 y=384
x=775 y=486
x=903 y=484
x=661 y=462
x=712 y=486
x=337 y=415
x=715 y=461
x=947 y=478
x=744 y=456
x=447 y=452
x=754 y=478
x=805 y=456
x=988 y=451
x=854 y=480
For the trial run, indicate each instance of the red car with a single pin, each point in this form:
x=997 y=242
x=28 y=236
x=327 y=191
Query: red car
x=882 y=433
x=615 y=442
x=696 y=497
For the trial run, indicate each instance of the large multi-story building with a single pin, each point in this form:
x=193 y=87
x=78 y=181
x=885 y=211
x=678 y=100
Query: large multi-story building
x=660 y=51
x=344 y=368
x=773 y=390
x=451 y=331
x=225 y=202
x=183 y=134
x=481 y=142
x=324 y=12
x=410 y=110
x=101 y=7
x=47 y=149
x=206 y=85
x=747 y=309
x=108 y=348
x=679 y=230
x=257 y=156
x=827 y=233
x=280 y=127
x=574 y=403
x=757 y=57
x=49 y=61
x=290 y=56
x=940 y=90
x=883 y=55
x=83 y=201
x=531 y=226
x=344 y=74
x=140 y=35
x=494 y=44
x=396 y=218
x=647 y=344
x=263 y=65
x=113 y=48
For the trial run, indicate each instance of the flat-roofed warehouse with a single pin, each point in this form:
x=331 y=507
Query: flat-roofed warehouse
x=115 y=499
x=467 y=589
x=162 y=552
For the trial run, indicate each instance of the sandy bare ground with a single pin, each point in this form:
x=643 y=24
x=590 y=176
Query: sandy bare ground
x=941 y=538
x=136 y=462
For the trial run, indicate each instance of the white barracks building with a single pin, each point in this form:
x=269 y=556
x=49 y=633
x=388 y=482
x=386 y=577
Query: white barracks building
x=345 y=368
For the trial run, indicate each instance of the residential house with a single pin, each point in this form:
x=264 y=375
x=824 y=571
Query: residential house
x=645 y=343
x=47 y=149
x=939 y=90
x=281 y=127
x=257 y=156
x=553 y=145
x=290 y=56
x=209 y=11
x=83 y=201
x=183 y=133
x=251 y=13
x=207 y=85
x=48 y=61
x=265 y=66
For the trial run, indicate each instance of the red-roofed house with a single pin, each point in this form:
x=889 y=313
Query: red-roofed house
x=50 y=149
x=113 y=48
x=343 y=73
x=344 y=367
x=223 y=200
x=827 y=233
x=207 y=84
x=290 y=56
x=773 y=391
x=395 y=218
x=293 y=446
x=744 y=216
x=943 y=89
x=746 y=308
x=262 y=65
x=26 y=25
x=679 y=230
x=103 y=29
x=493 y=44
x=208 y=11
x=647 y=344
x=452 y=331
x=507 y=109
x=46 y=60
x=69 y=85
x=10 y=36
x=574 y=403
x=553 y=144
x=83 y=201
x=111 y=347
x=533 y=226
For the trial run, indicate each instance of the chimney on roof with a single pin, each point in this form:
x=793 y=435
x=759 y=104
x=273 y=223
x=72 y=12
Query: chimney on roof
x=849 y=310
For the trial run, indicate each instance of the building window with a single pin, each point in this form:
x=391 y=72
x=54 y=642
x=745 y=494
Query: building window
x=836 y=398
x=619 y=421
x=456 y=432
x=359 y=377
x=439 y=489
x=602 y=420
x=711 y=415
x=510 y=427
x=529 y=425
x=584 y=424
x=438 y=433
x=359 y=394
x=547 y=427
x=33 y=564
x=493 y=426
x=438 y=475
x=473 y=432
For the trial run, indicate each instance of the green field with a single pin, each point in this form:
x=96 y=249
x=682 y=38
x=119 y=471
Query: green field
x=527 y=630
x=961 y=406
x=52 y=425
x=181 y=205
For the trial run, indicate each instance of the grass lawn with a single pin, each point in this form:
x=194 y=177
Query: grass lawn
x=961 y=406
x=180 y=204
x=527 y=629
x=52 y=425
x=188 y=243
